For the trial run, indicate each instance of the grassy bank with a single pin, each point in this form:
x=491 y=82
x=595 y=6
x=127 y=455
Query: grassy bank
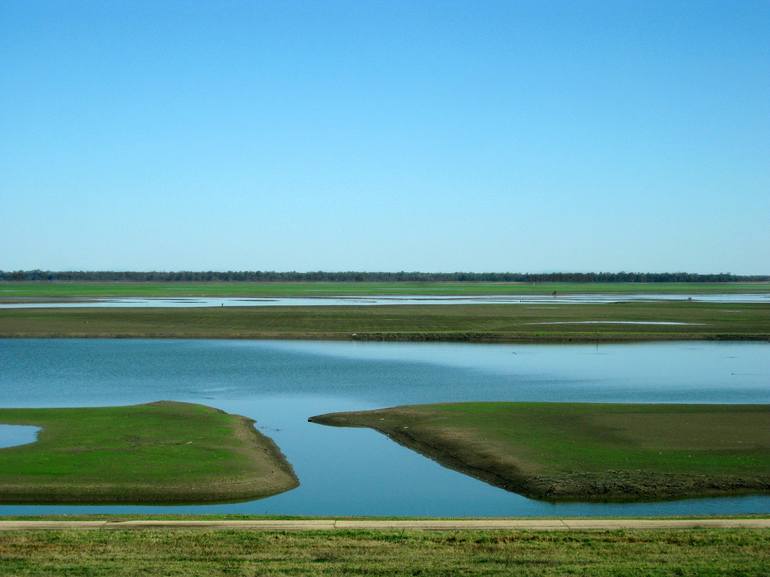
x=319 y=289
x=482 y=323
x=160 y=452
x=585 y=451
x=237 y=552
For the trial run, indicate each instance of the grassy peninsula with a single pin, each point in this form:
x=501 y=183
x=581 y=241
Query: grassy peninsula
x=586 y=451
x=470 y=323
x=161 y=452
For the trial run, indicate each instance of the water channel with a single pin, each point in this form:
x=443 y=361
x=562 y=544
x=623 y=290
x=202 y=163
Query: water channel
x=358 y=471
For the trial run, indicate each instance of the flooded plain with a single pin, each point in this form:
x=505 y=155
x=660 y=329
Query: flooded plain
x=358 y=471
x=197 y=302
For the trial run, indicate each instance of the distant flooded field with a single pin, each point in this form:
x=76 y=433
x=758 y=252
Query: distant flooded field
x=194 y=302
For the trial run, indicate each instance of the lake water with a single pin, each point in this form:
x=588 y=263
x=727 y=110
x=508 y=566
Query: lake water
x=197 y=302
x=13 y=435
x=358 y=471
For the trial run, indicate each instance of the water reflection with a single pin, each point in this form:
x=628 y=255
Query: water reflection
x=358 y=471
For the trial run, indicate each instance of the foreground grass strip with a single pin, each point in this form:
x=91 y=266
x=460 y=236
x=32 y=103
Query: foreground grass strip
x=585 y=451
x=195 y=553
x=161 y=452
x=64 y=289
x=471 y=323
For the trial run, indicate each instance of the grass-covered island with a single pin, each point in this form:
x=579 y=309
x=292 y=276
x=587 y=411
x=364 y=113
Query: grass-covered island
x=586 y=451
x=162 y=452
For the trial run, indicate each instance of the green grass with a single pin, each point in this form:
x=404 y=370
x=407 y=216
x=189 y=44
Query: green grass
x=159 y=452
x=325 y=289
x=195 y=553
x=567 y=451
x=482 y=323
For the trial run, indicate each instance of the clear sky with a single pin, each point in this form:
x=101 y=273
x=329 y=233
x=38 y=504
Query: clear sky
x=385 y=135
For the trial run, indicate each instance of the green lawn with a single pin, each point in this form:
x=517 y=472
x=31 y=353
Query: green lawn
x=195 y=553
x=59 y=289
x=158 y=452
x=482 y=323
x=585 y=451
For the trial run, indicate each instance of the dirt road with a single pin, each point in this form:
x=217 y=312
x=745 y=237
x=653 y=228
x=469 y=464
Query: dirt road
x=395 y=524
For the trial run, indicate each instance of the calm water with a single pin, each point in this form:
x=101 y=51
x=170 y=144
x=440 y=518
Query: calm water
x=197 y=302
x=358 y=471
x=13 y=435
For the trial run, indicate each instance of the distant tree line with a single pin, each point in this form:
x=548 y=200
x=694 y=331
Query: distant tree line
x=352 y=276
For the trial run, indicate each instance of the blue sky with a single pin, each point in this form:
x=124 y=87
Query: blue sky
x=390 y=135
